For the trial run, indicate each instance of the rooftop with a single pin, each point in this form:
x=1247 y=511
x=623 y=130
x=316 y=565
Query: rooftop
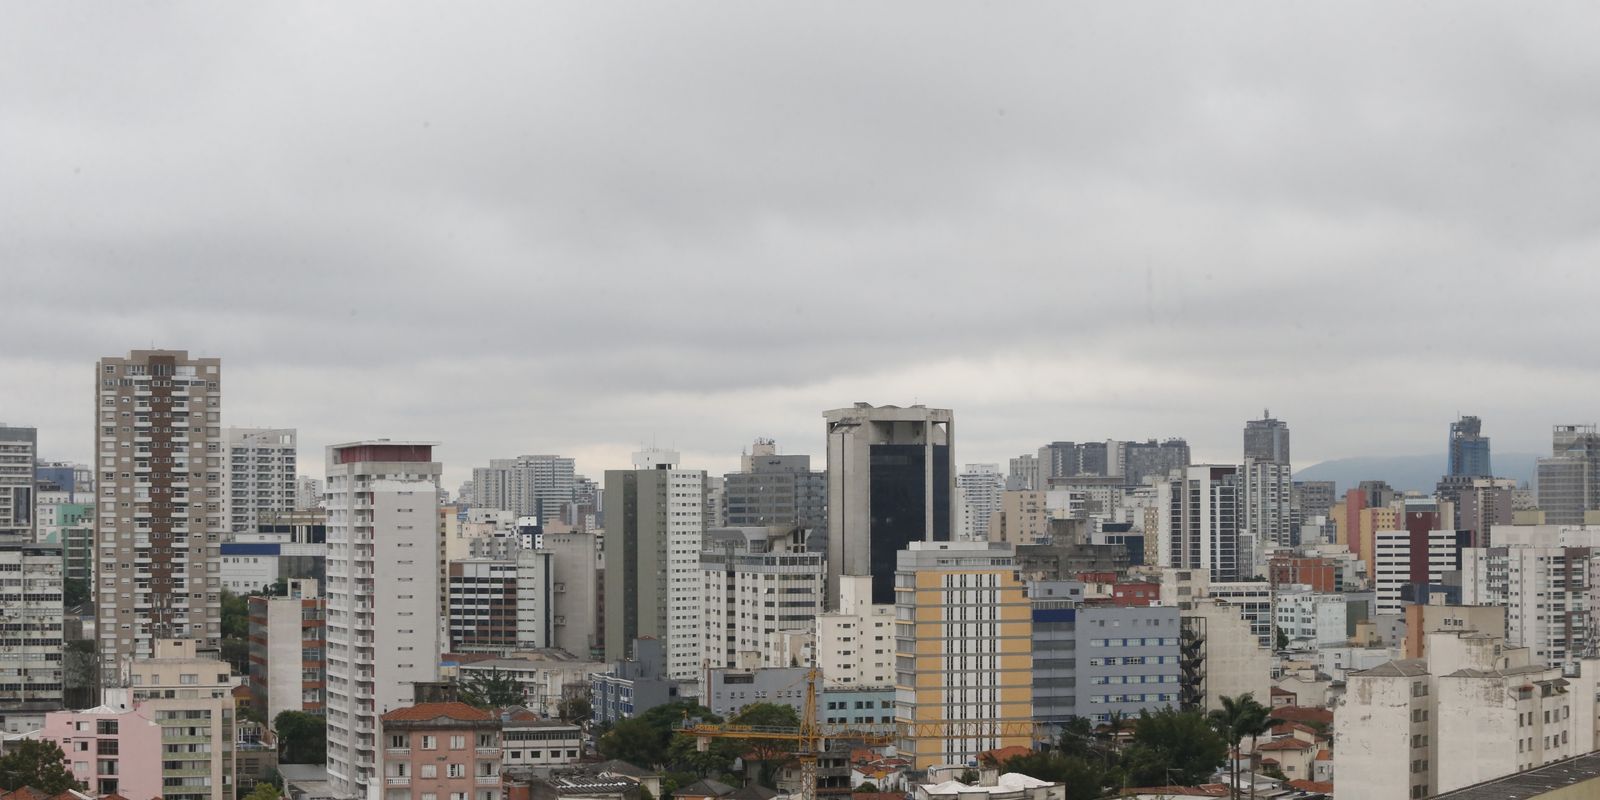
x=1533 y=783
x=430 y=712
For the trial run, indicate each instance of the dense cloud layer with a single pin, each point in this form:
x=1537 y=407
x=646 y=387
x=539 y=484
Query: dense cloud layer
x=575 y=228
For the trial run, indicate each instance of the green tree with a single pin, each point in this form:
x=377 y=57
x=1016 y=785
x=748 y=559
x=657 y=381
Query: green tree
x=968 y=776
x=649 y=741
x=1077 y=737
x=1280 y=639
x=302 y=738
x=1084 y=778
x=575 y=709
x=491 y=690
x=235 y=616
x=764 y=752
x=38 y=763
x=237 y=653
x=867 y=787
x=74 y=592
x=1240 y=717
x=263 y=791
x=1173 y=746
x=636 y=742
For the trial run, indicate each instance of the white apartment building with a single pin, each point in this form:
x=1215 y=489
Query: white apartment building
x=382 y=594
x=1203 y=521
x=158 y=443
x=1254 y=601
x=979 y=488
x=537 y=485
x=261 y=475
x=1396 y=568
x=1266 y=504
x=1473 y=710
x=755 y=586
x=854 y=646
x=1544 y=576
x=1310 y=620
x=307 y=493
x=686 y=528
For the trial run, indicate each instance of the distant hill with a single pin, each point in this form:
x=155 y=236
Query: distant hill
x=1410 y=472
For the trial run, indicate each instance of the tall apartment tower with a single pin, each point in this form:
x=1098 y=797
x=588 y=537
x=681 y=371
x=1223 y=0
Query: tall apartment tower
x=963 y=646
x=1203 y=517
x=382 y=595
x=527 y=486
x=1469 y=449
x=891 y=482
x=261 y=476
x=19 y=453
x=655 y=524
x=158 y=451
x=980 y=487
x=1569 y=480
x=772 y=489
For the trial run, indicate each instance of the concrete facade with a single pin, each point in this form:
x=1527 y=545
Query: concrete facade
x=963 y=638
x=855 y=644
x=382 y=595
x=757 y=582
x=730 y=690
x=979 y=487
x=1544 y=577
x=288 y=651
x=31 y=680
x=1094 y=661
x=158 y=442
x=537 y=486
x=575 y=587
x=655 y=525
x=191 y=697
x=111 y=749
x=441 y=750
x=261 y=475
x=19 y=453
x=891 y=481
x=1203 y=521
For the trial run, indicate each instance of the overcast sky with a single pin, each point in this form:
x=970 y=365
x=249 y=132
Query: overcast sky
x=577 y=228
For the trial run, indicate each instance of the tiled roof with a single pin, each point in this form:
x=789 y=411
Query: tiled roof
x=1303 y=714
x=1312 y=786
x=423 y=712
x=1290 y=743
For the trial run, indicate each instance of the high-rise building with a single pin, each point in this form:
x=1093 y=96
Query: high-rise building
x=307 y=493
x=655 y=524
x=31 y=656
x=382 y=595
x=1569 y=480
x=1151 y=459
x=980 y=487
x=1545 y=577
x=288 y=665
x=261 y=476
x=1079 y=671
x=964 y=639
x=775 y=490
x=19 y=453
x=1203 y=521
x=1469 y=449
x=1267 y=499
x=1267 y=439
x=855 y=644
x=1024 y=474
x=758 y=581
x=1412 y=563
x=158 y=451
x=574 y=578
x=527 y=486
x=484 y=599
x=891 y=482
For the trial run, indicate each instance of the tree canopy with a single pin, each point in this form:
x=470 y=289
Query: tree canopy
x=38 y=763
x=491 y=690
x=303 y=737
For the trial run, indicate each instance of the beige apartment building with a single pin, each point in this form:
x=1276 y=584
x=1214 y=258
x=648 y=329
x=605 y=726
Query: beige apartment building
x=190 y=696
x=159 y=462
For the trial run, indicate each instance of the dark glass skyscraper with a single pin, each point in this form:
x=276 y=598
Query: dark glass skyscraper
x=1469 y=449
x=890 y=483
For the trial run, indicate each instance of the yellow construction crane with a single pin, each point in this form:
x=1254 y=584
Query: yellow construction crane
x=809 y=739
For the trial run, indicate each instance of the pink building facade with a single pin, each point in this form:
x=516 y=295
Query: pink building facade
x=441 y=751
x=111 y=750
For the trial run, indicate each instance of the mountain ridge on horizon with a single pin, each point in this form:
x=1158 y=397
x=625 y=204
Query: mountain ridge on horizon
x=1419 y=472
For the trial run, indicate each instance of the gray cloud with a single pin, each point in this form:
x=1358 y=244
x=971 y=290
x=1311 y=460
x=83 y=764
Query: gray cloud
x=579 y=227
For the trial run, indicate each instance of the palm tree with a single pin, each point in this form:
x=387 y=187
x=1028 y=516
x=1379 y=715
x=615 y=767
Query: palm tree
x=1240 y=717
